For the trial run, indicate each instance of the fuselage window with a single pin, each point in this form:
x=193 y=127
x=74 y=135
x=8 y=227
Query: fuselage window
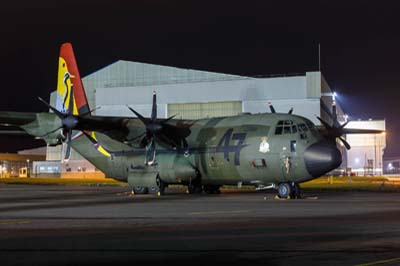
x=293 y=146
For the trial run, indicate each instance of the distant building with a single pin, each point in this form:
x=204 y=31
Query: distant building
x=366 y=154
x=194 y=94
x=391 y=166
x=20 y=164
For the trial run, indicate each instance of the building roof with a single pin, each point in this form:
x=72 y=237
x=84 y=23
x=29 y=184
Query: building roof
x=126 y=74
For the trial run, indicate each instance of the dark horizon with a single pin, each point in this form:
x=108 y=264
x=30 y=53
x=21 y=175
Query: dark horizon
x=359 y=46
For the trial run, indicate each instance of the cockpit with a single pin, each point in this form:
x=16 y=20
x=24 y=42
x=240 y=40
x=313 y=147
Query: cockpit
x=287 y=127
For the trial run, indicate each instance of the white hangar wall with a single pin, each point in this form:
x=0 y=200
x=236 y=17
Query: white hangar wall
x=300 y=92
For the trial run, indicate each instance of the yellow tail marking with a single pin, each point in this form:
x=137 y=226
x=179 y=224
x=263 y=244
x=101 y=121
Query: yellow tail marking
x=99 y=147
x=64 y=84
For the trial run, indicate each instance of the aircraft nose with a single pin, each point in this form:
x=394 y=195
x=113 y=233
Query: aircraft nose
x=321 y=158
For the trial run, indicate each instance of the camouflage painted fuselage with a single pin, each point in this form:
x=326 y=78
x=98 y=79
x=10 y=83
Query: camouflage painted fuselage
x=245 y=149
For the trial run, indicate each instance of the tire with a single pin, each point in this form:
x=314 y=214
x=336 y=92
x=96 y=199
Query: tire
x=140 y=190
x=284 y=190
x=296 y=191
x=158 y=189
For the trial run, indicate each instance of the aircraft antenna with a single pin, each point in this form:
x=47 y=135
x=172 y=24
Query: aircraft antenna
x=319 y=57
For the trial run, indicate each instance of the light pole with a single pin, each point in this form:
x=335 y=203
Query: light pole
x=27 y=168
x=375 y=156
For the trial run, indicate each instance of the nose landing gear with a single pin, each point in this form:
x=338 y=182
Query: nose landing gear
x=289 y=190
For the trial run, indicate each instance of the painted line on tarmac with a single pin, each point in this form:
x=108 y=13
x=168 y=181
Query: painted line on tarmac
x=217 y=212
x=379 y=262
x=14 y=222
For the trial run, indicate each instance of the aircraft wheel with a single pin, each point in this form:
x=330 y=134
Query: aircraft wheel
x=296 y=191
x=140 y=190
x=285 y=190
x=157 y=189
x=153 y=189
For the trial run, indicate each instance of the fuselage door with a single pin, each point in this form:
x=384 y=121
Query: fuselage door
x=286 y=133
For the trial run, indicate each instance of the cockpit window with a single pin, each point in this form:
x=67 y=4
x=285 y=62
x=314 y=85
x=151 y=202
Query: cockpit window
x=285 y=127
x=278 y=130
x=303 y=130
x=312 y=128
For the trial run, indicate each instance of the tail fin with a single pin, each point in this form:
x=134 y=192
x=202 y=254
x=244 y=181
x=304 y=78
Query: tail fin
x=68 y=77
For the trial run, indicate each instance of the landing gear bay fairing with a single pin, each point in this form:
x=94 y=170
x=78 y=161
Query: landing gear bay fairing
x=270 y=150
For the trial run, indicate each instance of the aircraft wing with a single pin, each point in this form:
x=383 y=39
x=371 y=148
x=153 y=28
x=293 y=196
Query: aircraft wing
x=10 y=123
x=15 y=119
x=118 y=128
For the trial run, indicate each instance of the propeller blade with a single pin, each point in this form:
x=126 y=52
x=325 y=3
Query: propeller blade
x=361 y=131
x=334 y=114
x=144 y=142
x=90 y=111
x=68 y=151
x=346 y=144
x=58 y=113
x=92 y=140
x=152 y=150
x=141 y=118
x=342 y=126
x=290 y=111
x=71 y=102
x=326 y=125
x=271 y=107
x=166 y=120
x=154 y=108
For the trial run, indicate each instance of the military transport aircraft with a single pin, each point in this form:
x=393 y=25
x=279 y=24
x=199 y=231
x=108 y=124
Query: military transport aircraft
x=269 y=150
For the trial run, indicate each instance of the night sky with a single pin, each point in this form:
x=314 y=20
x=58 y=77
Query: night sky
x=360 y=46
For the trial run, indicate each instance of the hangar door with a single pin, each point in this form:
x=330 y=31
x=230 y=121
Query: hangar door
x=204 y=110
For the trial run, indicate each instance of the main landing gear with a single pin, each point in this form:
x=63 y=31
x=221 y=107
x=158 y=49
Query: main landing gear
x=289 y=190
x=194 y=187
x=157 y=188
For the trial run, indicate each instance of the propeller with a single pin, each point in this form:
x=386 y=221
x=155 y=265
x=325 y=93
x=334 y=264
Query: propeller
x=69 y=121
x=160 y=130
x=334 y=130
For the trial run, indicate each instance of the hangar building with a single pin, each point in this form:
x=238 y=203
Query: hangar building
x=194 y=94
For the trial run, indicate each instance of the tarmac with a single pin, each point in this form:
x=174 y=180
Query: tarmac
x=81 y=225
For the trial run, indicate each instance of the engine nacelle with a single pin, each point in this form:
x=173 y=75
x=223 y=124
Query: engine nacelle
x=42 y=125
